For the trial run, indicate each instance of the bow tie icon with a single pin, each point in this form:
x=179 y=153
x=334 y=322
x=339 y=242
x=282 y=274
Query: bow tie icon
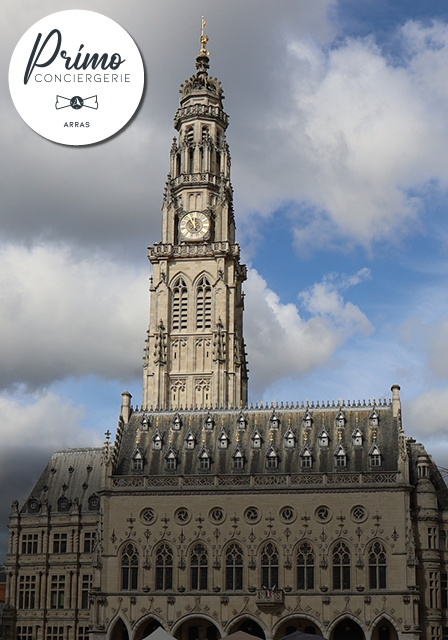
x=76 y=102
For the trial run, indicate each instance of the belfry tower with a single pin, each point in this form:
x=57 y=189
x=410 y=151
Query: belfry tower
x=195 y=353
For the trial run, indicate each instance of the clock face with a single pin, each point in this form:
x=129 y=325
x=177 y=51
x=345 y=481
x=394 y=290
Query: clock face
x=195 y=225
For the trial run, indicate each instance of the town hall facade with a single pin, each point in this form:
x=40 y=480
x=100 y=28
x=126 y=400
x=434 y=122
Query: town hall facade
x=206 y=515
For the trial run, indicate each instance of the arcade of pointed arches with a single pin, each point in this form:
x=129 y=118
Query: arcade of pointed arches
x=203 y=627
x=235 y=560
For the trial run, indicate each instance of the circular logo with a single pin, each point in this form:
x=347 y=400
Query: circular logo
x=76 y=77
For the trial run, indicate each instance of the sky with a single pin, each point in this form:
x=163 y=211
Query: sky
x=339 y=143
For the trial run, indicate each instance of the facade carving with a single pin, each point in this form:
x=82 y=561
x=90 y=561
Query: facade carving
x=205 y=515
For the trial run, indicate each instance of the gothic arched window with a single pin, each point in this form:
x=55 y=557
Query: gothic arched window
x=305 y=567
x=203 y=304
x=199 y=568
x=164 y=568
x=269 y=566
x=377 y=566
x=341 y=566
x=180 y=306
x=234 y=567
x=129 y=568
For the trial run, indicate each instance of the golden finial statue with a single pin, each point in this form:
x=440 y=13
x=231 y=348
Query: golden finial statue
x=204 y=39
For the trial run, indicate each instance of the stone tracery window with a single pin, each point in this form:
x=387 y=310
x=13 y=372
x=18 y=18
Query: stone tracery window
x=180 y=306
x=199 y=568
x=129 y=568
x=269 y=566
x=305 y=567
x=164 y=568
x=203 y=304
x=341 y=566
x=234 y=567
x=377 y=566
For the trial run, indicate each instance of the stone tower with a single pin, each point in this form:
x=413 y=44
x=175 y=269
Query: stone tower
x=195 y=353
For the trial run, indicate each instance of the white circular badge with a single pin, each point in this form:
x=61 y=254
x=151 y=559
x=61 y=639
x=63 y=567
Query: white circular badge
x=76 y=77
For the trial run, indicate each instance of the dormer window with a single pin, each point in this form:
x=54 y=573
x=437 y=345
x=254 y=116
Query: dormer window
x=171 y=460
x=190 y=441
x=274 y=421
x=145 y=422
x=323 y=439
x=177 y=422
x=209 y=422
x=308 y=420
x=290 y=439
x=375 y=456
x=241 y=422
x=340 y=457
x=357 y=438
x=374 y=419
x=204 y=460
x=271 y=458
x=157 y=441
x=256 y=439
x=340 y=419
x=137 y=461
x=238 y=459
x=306 y=458
x=223 y=440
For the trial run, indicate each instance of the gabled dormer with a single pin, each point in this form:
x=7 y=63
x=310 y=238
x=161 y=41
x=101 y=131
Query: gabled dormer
x=306 y=458
x=272 y=458
x=177 y=421
x=209 y=423
x=274 y=421
x=223 y=439
x=171 y=460
x=145 y=422
x=256 y=439
x=241 y=421
x=238 y=458
x=375 y=456
x=340 y=457
x=190 y=440
x=340 y=419
x=357 y=437
x=374 y=418
x=307 y=419
x=289 y=439
x=137 y=459
x=157 y=440
x=204 y=459
x=323 y=439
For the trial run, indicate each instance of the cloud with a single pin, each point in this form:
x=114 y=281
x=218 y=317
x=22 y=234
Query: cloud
x=281 y=343
x=356 y=139
x=109 y=195
x=63 y=314
x=425 y=418
x=31 y=428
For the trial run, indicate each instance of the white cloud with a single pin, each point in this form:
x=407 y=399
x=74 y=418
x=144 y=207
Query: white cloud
x=281 y=343
x=353 y=136
x=31 y=428
x=65 y=314
x=425 y=418
x=438 y=348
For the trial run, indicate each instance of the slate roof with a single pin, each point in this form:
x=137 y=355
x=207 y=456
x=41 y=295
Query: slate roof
x=138 y=435
x=74 y=474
